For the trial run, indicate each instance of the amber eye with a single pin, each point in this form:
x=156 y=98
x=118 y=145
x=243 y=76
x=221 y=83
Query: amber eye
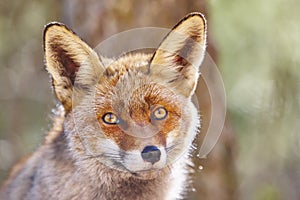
x=110 y=118
x=160 y=113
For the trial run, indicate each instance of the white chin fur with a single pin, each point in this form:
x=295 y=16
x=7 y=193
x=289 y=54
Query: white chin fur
x=134 y=162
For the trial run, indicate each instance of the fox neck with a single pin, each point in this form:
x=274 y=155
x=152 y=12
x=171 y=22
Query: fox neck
x=113 y=183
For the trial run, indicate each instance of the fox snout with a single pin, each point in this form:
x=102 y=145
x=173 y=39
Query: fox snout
x=151 y=157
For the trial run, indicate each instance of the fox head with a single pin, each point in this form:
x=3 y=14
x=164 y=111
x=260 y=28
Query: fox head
x=133 y=113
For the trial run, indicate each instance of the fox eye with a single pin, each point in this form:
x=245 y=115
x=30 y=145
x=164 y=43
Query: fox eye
x=160 y=113
x=110 y=118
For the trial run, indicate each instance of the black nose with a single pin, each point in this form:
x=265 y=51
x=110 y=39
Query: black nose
x=151 y=154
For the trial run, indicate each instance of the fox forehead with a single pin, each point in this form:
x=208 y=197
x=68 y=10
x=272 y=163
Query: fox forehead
x=130 y=62
x=123 y=75
x=127 y=85
x=127 y=100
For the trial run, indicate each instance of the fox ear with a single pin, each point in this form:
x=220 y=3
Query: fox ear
x=66 y=55
x=176 y=61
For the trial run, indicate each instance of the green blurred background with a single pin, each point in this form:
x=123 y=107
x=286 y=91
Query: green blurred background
x=258 y=55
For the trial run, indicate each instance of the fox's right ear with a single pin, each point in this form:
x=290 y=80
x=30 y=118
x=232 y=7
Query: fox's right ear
x=67 y=59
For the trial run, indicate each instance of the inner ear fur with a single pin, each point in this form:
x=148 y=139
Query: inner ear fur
x=177 y=60
x=68 y=60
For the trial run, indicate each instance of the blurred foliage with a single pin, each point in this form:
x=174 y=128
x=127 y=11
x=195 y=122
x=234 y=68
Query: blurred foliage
x=259 y=46
x=25 y=94
x=258 y=42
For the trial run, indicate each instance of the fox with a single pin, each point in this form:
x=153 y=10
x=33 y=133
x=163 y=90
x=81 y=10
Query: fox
x=123 y=127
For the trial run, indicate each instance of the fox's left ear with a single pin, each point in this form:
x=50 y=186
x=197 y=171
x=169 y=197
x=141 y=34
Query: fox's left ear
x=176 y=62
